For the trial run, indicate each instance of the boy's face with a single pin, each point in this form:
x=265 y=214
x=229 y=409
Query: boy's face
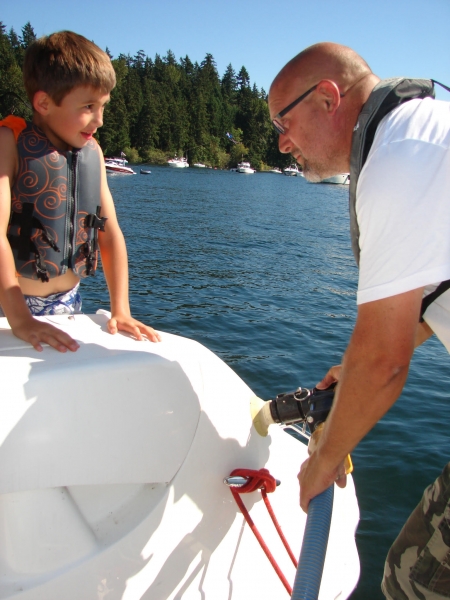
x=73 y=123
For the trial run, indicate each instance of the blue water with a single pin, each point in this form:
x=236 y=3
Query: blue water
x=259 y=269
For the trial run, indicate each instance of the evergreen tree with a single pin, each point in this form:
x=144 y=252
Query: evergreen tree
x=243 y=79
x=13 y=98
x=114 y=136
x=16 y=46
x=28 y=36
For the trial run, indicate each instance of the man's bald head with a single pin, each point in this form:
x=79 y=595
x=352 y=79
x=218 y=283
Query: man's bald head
x=328 y=84
x=325 y=60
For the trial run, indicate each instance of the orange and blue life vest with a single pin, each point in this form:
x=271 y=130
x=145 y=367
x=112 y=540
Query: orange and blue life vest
x=55 y=206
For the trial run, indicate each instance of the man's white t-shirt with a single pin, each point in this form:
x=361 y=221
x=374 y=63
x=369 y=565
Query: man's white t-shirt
x=403 y=209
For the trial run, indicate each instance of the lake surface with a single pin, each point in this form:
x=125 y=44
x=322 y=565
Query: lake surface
x=259 y=269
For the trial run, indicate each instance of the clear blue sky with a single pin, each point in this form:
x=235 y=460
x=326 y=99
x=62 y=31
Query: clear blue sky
x=396 y=37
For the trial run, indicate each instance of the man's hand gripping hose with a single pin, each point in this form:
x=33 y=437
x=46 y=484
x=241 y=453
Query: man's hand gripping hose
x=310 y=407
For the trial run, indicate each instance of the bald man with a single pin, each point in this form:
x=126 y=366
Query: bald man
x=335 y=116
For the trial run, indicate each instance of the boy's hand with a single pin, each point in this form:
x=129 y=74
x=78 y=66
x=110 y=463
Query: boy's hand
x=34 y=332
x=136 y=328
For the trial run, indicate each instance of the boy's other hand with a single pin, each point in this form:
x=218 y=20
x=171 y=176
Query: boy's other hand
x=36 y=332
x=130 y=325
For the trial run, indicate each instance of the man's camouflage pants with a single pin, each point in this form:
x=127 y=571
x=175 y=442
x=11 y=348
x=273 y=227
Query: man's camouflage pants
x=418 y=563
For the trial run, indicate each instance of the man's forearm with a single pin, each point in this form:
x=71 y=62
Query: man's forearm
x=368 y=386
x=367 y=390
x=372 y=376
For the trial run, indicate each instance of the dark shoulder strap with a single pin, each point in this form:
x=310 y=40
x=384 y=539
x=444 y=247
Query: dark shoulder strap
x=386 y=95
x=441 y=84
x=441 y=288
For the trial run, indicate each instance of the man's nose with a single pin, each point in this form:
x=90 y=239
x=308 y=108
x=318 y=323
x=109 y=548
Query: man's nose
x=284 y=143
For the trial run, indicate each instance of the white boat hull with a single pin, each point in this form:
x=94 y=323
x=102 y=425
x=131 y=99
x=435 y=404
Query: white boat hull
x=178 y=163
x=291 y=171
x=121 y=170
x=342 y=179
x=112 y=463
x=118 y=165
x=245 y=167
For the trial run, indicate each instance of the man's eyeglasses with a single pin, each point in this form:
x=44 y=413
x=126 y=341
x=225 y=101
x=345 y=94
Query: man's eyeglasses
x=276 y=123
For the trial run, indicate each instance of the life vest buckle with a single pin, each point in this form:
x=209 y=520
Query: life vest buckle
x=95 y=221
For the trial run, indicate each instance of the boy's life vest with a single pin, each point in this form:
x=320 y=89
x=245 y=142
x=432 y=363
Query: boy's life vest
x=55 y=206
x=386 y=95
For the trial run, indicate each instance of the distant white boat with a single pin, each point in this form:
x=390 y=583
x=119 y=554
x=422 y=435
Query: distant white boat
x=118 y=165
x=276 y=170
x=180 y=163
x=199 y=165
x=342 y=178
x=244 y=167
x=292 y=170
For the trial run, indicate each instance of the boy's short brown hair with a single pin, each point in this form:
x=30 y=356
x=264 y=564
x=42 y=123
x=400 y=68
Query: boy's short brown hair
x=59 y=62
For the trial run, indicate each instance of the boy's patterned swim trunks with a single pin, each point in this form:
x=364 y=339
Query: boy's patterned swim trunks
x=62 y=303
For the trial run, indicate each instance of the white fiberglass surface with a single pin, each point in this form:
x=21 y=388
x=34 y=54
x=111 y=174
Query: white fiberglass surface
x=112 y=463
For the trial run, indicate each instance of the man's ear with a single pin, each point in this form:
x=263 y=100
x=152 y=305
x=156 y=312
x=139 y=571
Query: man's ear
x=41 y=103
x=330 y=94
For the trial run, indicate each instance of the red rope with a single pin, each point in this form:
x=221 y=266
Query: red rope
x=262 y=480
x=278 y=528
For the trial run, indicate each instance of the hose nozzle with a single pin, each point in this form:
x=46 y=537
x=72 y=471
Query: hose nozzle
x=261 y=415
x=297 y=406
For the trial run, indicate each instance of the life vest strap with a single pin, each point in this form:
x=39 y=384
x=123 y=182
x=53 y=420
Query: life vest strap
x=41 y=269
x=441 y=84
x=27 y=222
x=24 y=243
x=96 y=223
x=441 y=288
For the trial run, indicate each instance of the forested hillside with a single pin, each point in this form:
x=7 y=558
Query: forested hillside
x=163 y=107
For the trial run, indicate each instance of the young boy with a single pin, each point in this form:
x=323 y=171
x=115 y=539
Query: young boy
x=55 y=204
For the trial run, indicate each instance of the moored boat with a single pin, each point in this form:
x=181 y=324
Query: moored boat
x=275 y=170
x=118 y=165
x=179 y=163
x=341 y=178
x=112 y=468
x=292 y=170
x=199 y=165
x=145 y=172
x=245 y=167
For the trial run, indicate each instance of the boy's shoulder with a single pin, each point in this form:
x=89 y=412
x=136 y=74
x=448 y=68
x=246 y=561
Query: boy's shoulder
x=10 y=129
x=15 y=124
